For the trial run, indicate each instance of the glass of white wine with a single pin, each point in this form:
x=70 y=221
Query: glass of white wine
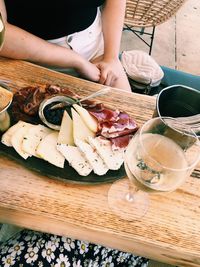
x=159 y=158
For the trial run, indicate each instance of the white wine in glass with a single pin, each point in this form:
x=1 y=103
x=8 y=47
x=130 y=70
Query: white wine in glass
x=159 y=158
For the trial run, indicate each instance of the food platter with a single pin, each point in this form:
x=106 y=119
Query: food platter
x=87 y=148
x=67 y=174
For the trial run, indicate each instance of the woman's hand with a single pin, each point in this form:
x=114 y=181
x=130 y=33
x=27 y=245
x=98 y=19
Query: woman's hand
x=88 y=71
x=110 y=70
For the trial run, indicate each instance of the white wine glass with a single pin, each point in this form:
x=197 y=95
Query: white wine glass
x=159 y=158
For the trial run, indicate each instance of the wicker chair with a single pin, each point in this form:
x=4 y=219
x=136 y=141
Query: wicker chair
x=149 y=13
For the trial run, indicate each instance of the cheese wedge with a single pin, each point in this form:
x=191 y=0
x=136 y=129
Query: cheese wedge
x=112 y=158
x=17 y=140
x=75 y=159
x=88 y=119
x=66 y=130
x=6 y=137
x=33 y=137
x=47 y=150
x=80 y=129
x=98 y=165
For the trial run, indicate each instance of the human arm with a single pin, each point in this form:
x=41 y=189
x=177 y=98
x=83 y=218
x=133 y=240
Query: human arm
x=109 y=64
x=112 y=23
x=19 y=44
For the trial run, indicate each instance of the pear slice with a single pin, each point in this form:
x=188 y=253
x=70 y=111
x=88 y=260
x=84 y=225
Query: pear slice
x=89 y=120
x=47 y=150
x=65 y=135
x=80 y=129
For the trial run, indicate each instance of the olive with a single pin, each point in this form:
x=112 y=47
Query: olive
x=53 y=116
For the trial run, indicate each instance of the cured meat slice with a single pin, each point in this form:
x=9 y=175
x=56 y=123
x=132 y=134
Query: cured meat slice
x=113 y=123
x=26 y=101
x=121 y=141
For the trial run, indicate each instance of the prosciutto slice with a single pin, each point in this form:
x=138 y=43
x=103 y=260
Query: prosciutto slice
x=104 y=115
x=113 y=125
x=27 y=100
x=123 y=125
x=121 y=141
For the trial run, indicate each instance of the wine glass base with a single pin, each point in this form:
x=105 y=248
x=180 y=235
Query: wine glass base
x=127 y=206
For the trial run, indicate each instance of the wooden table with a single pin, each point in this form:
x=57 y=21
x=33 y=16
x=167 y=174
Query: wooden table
x=170 y=231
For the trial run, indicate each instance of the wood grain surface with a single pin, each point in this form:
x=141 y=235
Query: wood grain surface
x=169 y=232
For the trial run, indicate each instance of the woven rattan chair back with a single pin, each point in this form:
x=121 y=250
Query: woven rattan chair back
x=148 y=13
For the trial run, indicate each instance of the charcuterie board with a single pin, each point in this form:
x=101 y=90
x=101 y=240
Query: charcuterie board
x=88 y=146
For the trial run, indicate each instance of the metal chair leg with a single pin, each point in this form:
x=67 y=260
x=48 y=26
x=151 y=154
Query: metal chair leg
x=138 y=33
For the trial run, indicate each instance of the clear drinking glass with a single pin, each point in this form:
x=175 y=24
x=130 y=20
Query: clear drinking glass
x=161 y=155
x=4 y=115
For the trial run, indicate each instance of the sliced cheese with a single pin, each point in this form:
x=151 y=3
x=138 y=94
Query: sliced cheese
x=47 y=150
x=75 y=159
x=33 y=137
x=98 y=165
x=80 y=129
x=17 y=140
x=6 y=137
x=66 y=130
x=112 y=158
x=89 y=120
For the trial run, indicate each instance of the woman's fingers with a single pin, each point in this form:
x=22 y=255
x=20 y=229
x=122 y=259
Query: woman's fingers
x=107 y=77
x=103 y=75
x=110 y=79
x=90 y=71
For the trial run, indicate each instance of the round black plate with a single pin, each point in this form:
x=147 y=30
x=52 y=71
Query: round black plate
x=67 y=173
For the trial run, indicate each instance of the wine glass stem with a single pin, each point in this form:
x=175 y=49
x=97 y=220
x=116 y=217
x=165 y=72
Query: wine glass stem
x=131 y=192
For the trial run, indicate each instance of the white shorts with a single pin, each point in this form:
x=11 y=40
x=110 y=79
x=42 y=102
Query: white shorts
x=88 y=43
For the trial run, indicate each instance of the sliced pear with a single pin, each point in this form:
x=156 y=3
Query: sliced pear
x=65 y=135
x=80 y=129
x=89 y=120
x=33 y=137
x=47 y=150
x=6 y=137
x=17 y=140
x=75 y=158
